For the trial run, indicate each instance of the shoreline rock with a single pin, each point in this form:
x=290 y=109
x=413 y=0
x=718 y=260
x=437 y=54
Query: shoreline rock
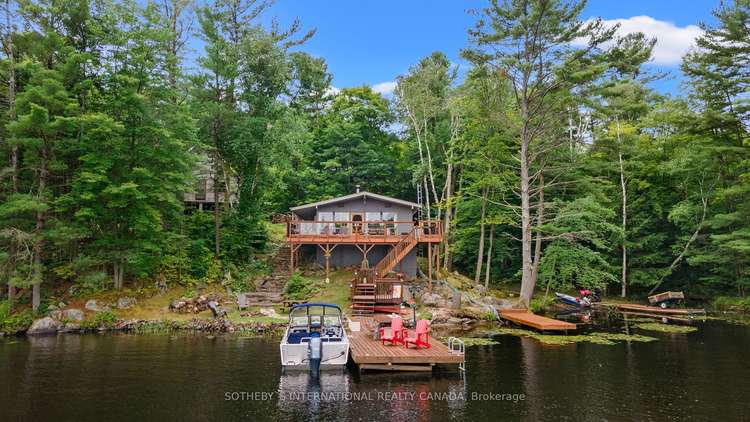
x=46 y=325
x=95 y=306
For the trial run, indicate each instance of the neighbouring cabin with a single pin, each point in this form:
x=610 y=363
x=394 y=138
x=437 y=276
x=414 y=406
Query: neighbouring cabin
x=364 y=230
x=205 y=195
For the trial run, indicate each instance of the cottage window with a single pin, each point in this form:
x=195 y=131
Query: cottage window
x=325 y=228
x=389 y=218
x=374 y=226
x=343 y=226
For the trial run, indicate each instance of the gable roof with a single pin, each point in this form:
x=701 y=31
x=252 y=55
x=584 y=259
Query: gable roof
x=362 y=194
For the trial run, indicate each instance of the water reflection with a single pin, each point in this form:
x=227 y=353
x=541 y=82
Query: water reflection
x=90 y=377
x=343 y=395
x=300 y=392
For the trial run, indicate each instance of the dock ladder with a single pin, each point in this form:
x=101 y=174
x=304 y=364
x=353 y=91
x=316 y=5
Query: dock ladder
x=456 y=346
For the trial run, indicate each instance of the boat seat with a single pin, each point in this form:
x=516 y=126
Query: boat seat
x=296 y=337
x=323 y=339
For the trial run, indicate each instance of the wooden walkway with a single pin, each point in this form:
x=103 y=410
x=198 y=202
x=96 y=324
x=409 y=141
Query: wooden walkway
x=632 y=307
x=526 y=318
x=369 y=353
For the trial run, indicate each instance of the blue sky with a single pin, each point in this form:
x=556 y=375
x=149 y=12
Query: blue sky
x=372 y=42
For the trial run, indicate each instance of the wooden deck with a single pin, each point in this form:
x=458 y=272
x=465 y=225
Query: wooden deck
x=526 y=318
x=369 y=353
x=357 y=239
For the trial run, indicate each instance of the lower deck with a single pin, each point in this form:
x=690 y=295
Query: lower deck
x=369 y=353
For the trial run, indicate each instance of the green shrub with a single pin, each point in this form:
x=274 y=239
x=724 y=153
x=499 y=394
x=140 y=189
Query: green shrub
x=19 y=321
x=730 y=303
x=539 y=304
x=4 y=309
x=104 y=319
x=156 y=327
x=299 y=288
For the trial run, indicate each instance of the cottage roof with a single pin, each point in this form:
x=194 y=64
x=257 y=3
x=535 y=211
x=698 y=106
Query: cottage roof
x=362 y=194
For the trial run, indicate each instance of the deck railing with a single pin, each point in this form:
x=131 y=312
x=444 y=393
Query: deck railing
x=394 y=231
x=389 y=291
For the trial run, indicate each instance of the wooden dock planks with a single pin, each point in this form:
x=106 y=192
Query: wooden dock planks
x=524 y=317
x=365 y=350
x=654 y=309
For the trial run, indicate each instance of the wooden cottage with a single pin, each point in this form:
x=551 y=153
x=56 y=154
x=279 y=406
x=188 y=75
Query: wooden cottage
x=377 y=234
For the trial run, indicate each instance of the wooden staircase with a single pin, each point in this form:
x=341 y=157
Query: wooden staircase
x=397 y=253
x=363 y=299
x=370 y=287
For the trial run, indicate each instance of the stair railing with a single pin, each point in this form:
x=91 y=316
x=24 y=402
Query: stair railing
x=390 y=259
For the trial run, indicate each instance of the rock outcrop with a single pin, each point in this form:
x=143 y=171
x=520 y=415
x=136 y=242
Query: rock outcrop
x=46 y=325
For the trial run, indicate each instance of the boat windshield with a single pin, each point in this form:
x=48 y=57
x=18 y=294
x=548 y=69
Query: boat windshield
x=311 y=317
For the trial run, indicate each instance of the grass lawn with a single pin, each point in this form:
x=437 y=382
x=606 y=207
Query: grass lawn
x=336 y=291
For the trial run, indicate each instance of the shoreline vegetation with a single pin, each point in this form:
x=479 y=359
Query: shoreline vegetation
x=149 y=311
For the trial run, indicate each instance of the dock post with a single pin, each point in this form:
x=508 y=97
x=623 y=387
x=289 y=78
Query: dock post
x=327 y=253
x=429 y=265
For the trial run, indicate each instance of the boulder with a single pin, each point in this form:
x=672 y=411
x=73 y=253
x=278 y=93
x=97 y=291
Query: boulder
x=433 y=300
x=504 y=304
x=73 y=315
x=455 y=321
x=45 y=325
x=269 y=312
x=126 y=302
x=96 y=306
x=441 y=316
x=455 y=300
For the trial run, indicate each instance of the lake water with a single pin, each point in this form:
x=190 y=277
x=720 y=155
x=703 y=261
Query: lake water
x=702 y=376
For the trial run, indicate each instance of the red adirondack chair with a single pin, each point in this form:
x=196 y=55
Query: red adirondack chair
x=421 y=336
x=395 y=334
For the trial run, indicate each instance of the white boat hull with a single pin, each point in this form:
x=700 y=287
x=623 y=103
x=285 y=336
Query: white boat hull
x=294 y=356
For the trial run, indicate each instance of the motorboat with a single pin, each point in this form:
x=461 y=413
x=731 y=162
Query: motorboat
x=573 y=301
x=315 y=338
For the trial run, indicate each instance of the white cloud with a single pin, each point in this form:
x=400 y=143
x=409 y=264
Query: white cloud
x=672 y=41
x=385 y=88
x=332 y=90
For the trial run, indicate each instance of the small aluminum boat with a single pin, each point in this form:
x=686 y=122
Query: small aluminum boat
x=315 y=338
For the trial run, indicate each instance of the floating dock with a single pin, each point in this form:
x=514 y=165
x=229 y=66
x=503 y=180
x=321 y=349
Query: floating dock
x=658 y=310
x=526 y=318
x=370 y=354
x=632 y=307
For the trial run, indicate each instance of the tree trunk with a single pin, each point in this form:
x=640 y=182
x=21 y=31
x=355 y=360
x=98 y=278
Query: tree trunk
x=118 y=272
x=39 y=227
x=217 y=209
x=527 y=281
x=623 y=293
x=227 y=183
x=539 y=222
x=489 y=258
x=480 y=248
x=448 y=213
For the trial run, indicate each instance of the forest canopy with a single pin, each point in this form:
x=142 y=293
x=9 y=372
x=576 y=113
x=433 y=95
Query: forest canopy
x=551 y=163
